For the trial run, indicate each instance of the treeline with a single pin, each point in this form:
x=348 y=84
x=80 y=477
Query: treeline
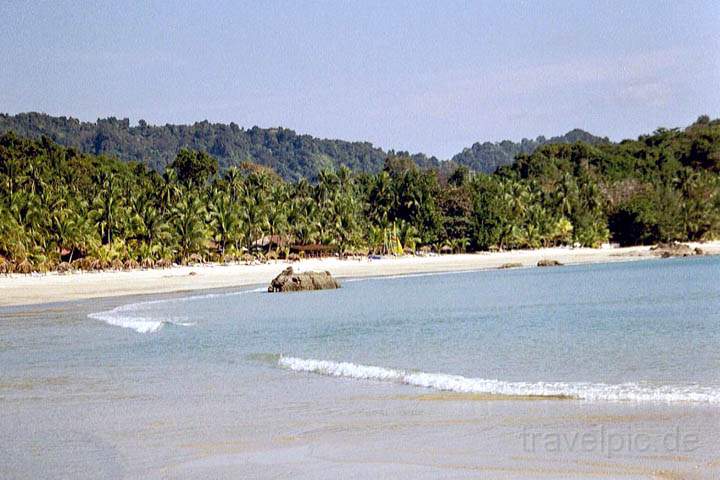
x=291 y=155
x=62 y=208
x=487 y=157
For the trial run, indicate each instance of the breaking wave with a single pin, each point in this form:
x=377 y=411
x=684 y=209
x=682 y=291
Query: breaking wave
x=131 y=315
x=456 y=383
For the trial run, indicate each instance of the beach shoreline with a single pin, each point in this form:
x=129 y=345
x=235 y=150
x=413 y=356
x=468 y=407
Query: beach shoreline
x=438 y=376
x=37 y=289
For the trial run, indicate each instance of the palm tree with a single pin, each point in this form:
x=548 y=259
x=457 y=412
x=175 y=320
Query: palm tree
x=278 y=213
x=13 y=171
x=151 y=226
x=106 y=205
x=408 y=234
x=304 y=220
x=376 y=239
x=65 y=231
x=234 y=179
x=341 y=218
x=254 y=223
x=189 y=227
x=381 y=198
x=224 y=219
x=170 y=189
x=14 y=241
x=459 y=245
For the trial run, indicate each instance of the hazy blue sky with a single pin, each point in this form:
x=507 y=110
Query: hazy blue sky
x=419 y=76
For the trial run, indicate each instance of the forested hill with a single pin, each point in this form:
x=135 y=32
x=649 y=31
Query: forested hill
x=291 y=155
x=488 y=157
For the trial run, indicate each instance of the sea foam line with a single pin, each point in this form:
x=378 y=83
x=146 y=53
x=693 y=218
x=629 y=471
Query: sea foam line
x=457 y=383
x=127 y=316
x=399 y=276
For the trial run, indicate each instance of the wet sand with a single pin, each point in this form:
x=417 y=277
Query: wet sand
x=462 y=438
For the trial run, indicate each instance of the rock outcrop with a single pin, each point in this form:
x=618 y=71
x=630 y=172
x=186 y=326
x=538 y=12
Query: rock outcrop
x=510 y=265
x=289 y=281
x=545 y=262
x=674 y=249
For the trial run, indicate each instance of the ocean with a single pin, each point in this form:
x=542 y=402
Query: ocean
x=419 y=376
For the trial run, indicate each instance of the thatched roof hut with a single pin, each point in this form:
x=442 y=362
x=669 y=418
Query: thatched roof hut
x=272 y=241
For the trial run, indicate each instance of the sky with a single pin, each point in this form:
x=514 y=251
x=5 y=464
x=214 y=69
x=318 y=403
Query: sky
x=422 y=76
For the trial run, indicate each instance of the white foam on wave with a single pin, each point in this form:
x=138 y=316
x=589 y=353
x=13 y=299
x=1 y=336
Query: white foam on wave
x=139 y=324
x=128 y=316
x=456 y=383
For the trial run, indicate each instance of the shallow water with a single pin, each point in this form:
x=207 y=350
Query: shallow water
x=252 y=383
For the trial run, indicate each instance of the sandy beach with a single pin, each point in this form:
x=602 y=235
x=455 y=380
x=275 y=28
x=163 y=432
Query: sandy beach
x=535 y=373
x=53 y=287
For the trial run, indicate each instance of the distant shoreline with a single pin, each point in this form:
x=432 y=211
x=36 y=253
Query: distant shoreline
x=36 y=289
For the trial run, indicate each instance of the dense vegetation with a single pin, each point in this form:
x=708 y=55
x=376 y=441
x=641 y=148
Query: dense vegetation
x=60 y=205
x=292 y=156
x=487 y=157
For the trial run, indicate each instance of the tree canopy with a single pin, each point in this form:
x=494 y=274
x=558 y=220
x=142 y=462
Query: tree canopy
x=61 y=207
x=291 y=155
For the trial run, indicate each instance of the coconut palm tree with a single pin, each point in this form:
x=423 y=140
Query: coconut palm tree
x=188 y=225
x=151 y=227
x=408 y=236
x=459 y=245
x=170 y=189
x=224 y=219
x=106 y=205
x=233 y=177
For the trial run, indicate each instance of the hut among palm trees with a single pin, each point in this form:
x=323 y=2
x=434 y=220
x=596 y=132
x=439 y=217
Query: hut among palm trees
x=313 y=250
x=272 y=242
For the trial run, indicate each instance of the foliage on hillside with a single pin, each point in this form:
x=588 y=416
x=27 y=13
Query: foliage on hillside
x=62 y=208
x=291 y=155
x=487 y=157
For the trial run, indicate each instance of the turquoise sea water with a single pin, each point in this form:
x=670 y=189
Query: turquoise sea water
x=638 y=333
x=651 y=326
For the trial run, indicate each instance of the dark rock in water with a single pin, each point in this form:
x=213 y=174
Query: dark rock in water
x=511 y=265
x=674 y=249
x=289 y=281
x=548 y=263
